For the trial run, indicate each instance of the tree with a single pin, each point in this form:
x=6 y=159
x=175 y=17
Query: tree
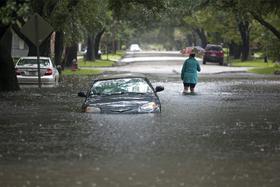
x=58 y=19
x=261 y=10
x=95 y=19
x=10 y=11
x=44 y=9
x=73 y=29
x=242 y=19
x=135 y=17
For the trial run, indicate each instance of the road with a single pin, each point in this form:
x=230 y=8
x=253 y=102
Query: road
x=225 y=135
x=165 y=63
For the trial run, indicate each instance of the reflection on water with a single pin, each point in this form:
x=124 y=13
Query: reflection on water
x=225 y=135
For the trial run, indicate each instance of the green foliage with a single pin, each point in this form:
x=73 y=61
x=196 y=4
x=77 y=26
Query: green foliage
x=132 y=18
x=11 y=10
x=94 y=14
x=78 y=18
x=274 y=49
x=60 y=16
x=121 y=8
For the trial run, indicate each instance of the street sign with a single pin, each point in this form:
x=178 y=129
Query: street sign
x=36 y=24
x=36 y=29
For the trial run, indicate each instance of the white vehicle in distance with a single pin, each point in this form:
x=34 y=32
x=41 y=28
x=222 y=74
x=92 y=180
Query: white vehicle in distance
x=134 y=48
x=27 y=71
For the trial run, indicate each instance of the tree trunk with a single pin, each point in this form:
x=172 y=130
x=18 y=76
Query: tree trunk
x=116 y=47
x=97 y=43
x=194 y=39
x=234 y=50
x=202 y=35
x=189 y=38
x=90 y=55
x=58 y=47
x=8 y=79
x=244 y=30
x=70 y=55
x=45 y=48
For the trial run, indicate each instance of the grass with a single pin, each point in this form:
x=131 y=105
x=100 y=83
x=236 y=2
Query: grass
x=113 y=57
x=259 y=66
x=252 y=63
x=106 y=60
x=82 y=72
x=97 y=63
x=267 y=70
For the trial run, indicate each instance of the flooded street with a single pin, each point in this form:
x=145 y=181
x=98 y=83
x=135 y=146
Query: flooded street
x=227 y=134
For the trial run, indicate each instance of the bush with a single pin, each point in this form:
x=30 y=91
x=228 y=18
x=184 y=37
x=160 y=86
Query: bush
x=276 y=68
x=274 y=50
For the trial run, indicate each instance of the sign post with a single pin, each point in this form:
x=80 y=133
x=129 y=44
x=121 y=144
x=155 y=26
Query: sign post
x=37 y=49
x=36 y=29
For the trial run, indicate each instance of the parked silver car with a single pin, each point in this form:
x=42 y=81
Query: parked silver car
x=135 y=48
x=27 y=72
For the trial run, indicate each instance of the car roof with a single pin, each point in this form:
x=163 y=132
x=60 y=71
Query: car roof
x=120 y=76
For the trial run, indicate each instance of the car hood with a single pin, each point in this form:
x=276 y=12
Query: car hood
x=121 y=103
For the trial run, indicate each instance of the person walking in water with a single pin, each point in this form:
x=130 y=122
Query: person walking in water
x=189 y=73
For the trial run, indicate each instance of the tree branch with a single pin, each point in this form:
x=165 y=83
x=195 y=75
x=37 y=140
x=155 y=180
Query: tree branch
x=266 y=24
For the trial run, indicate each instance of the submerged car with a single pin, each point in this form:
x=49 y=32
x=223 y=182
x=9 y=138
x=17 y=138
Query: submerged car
x=122 y=93
x=27 y=71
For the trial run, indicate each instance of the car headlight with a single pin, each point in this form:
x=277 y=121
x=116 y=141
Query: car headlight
x=91 y=109
x=148 y=107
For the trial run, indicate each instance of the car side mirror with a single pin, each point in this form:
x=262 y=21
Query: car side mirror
x=159 y=88
x=82 y=94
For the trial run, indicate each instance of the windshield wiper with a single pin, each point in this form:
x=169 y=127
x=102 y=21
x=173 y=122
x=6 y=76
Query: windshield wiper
x=115 y=93
x=139 y=93
x=121 y=93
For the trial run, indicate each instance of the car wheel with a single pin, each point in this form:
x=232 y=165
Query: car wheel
x=221 y=62
x=204 y=61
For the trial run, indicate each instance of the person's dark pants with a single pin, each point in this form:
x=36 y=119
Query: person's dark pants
x=191 y=85
x=187 y=85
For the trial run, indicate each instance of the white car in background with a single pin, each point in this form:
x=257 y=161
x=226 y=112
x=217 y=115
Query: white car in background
x=27 y=72
x=134 y=48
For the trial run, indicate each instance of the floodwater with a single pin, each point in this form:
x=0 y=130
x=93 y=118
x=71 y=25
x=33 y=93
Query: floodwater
x=227 y=134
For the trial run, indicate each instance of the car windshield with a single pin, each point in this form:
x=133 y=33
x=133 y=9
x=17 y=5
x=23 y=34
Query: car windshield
x=121 y=86
x=28 y=62
x=214 y=48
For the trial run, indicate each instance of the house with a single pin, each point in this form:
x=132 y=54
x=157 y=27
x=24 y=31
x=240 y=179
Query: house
x=19 y=48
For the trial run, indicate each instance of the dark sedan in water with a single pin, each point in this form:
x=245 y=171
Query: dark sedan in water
x=121 y=93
